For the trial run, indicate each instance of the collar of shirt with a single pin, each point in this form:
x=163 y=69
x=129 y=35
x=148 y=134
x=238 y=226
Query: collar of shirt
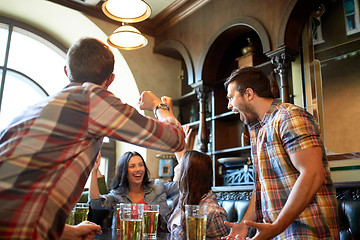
x=271 y=110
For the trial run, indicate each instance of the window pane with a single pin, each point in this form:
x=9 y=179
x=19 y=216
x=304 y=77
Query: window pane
x=340 y=79
x=349 y=7
x=19 y=93
x=35 y=58
x=4 y=31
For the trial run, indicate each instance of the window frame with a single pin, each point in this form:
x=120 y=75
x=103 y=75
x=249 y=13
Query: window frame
x=42 y=36
x=109 y=149
x=356 y=18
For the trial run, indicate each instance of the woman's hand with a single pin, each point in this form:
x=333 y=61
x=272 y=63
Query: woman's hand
x=97 y=162
x=95 y=174
x=188 y=132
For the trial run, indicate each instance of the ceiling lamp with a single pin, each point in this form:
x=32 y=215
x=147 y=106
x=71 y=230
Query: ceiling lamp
x=127 y=37
x=129 y=11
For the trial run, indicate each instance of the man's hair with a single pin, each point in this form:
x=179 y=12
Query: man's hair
x=120 y=180
x=250 y=77
x=89 y=60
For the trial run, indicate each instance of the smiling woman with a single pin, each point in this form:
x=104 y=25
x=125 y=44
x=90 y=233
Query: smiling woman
x=132 y=184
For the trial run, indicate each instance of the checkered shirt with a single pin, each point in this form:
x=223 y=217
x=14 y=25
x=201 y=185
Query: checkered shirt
x=47 y=153
x=284 y=130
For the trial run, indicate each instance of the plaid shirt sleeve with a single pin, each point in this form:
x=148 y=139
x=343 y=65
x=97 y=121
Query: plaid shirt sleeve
x=54 y=144
x=110 y=117
x=299 y=130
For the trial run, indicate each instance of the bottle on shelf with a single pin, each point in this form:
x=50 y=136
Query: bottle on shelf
x=193 y=114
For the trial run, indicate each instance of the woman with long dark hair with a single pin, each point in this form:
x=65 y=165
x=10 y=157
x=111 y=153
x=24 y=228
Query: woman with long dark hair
x=195 y=176
x=195 y=181
x=132 y=184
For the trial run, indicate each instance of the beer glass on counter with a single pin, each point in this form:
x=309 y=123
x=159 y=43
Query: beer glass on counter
x=71 y=218
x=195 y=221
x=150 y=221
x=129 y=221
x=81 y=212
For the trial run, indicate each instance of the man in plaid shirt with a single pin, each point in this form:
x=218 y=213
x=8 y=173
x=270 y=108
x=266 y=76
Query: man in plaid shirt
x=47 y=153
x=294 y=196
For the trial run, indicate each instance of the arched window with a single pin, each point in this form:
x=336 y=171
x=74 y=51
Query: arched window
x=31 y=67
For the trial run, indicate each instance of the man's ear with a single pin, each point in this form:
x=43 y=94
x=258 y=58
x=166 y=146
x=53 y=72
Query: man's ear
x=109 y=81
x=249 y=92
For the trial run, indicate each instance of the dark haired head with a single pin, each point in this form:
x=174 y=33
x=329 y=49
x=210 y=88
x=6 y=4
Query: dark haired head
x=196 y=176
x=250 y=77
x=89 y=60
x=120 y=180
x=195 y=180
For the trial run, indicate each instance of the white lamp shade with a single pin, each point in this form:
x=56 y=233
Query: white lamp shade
x=129 y=11
x=127 y=37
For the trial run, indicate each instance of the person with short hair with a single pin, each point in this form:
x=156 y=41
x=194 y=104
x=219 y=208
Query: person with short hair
x=47 y=153
x=294 y=196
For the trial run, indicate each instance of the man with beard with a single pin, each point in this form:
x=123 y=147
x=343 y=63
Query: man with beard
x=294 y=196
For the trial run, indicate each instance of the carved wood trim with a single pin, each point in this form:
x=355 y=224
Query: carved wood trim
x=233 y=196
x=202 y=93
x=281 y=60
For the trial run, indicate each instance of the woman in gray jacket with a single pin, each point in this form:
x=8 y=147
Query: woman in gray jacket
x=131 y=184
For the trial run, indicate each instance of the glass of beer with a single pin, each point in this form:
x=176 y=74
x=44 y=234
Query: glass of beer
x=150 y=221
x=71 y=218
x=195 y=221
x=81 y=212
x=130 y=219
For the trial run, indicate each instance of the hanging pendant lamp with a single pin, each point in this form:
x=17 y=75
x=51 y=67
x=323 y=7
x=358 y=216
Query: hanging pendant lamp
x=127 y=37
x=129 y=11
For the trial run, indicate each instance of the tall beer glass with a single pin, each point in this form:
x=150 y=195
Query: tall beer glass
x=71 y=218
x=81 y=212
x=150 y=221
x=195 y=221
x=130 y=219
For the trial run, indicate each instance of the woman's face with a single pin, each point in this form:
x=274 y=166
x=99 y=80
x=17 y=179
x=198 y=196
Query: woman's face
x=177 y=173
x=136 y=170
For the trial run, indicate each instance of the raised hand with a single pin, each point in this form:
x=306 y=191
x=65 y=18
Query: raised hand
x=97 y=162
x=188 y=132
x=148 y=101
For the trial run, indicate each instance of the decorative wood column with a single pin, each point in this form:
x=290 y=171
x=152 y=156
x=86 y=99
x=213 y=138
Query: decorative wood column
x=202 y=93
x=281 y=61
